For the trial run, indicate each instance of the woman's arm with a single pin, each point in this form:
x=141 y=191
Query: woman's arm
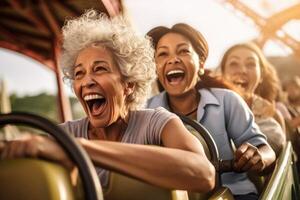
x=183 y=165
x=36 y=146
x=253 y=153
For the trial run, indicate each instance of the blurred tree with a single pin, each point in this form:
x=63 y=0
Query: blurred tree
x=43 y=104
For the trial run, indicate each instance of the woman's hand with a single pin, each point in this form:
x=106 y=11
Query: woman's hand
x=249 y=158
x=34 y=146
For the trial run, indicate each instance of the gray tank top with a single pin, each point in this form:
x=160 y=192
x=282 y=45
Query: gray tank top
x=144 y=127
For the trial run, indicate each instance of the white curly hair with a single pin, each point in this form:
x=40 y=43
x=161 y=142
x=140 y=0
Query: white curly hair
x=132 y=52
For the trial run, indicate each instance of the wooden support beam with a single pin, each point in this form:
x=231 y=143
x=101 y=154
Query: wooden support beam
x=71 y=12
x=29 y=53
x=20 y=26
x=24 y=41
x=63 y=100
x=29 y=14
x=113 y=7
x=8 y=36
x=54 y=25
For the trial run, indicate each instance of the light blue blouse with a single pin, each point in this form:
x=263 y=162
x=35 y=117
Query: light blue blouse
x=227 y=117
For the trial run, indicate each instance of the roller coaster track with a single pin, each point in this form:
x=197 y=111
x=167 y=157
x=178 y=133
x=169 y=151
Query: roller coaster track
x=271 y=27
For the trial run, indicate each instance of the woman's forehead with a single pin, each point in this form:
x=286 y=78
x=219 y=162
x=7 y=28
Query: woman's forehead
x=243 y=52
x=171 y=38
x=92 y=54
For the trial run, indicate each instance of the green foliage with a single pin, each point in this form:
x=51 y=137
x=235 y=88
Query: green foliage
x=42 y=104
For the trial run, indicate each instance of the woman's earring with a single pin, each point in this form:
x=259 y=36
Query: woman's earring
x=201 y=72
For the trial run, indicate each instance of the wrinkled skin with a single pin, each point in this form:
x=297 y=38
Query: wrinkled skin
x=96 y=73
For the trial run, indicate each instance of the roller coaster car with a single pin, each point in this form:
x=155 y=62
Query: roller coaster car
x=39 y=179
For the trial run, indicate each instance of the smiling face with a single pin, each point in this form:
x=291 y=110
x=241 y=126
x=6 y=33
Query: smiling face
x=177 y=64
x=242 y=68
x=98 y=86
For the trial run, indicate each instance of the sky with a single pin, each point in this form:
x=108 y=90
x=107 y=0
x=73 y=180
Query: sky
x=220 y=26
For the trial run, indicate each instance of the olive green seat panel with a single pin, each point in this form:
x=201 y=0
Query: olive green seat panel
x=198 y=196
x=124 y=188
x=222 y=193
x=35 y=180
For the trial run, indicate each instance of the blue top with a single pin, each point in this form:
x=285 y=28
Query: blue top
x=227 y=117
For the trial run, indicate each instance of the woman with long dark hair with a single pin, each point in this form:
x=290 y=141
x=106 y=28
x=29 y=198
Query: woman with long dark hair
x=180 y=54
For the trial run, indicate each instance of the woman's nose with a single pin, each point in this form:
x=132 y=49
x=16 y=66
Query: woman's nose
x=242 y=69
x=88 y=82
x=173 y=60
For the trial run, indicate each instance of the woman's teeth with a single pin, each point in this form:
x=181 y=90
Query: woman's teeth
x=92 y=97
x=241 y=83
x=175 y=76
x=175 y=72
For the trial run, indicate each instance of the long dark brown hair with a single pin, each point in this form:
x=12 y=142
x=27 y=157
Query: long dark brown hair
x=207 y=80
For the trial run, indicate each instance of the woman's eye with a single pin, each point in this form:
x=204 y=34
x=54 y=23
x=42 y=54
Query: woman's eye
x=251 y=64
x=99 y=69
x=78 y=74
x=161 y=54
x=233 y=64
x=184 y=51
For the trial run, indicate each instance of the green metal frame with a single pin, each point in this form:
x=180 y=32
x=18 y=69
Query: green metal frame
x=284 y=183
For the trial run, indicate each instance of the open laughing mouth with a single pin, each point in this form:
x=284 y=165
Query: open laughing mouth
x=241 y=83
x=175 y=76
x=95 y=103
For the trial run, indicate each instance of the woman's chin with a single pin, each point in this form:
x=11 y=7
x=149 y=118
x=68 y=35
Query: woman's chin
x=99 y=120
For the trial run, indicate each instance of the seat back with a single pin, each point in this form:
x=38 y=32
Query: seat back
x=201 y=139
x=208 y=143
x=35 y=180
x=209 y=147
x=88 y=175
x=222 y=193
x=126 y=188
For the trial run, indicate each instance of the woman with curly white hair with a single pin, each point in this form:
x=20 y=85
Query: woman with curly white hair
x=111 y=68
